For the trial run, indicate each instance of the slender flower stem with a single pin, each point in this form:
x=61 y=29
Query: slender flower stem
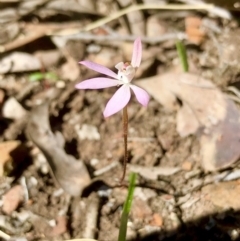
x=125 y=138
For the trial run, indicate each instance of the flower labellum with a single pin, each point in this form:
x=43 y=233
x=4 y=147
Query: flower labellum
x=126 y=72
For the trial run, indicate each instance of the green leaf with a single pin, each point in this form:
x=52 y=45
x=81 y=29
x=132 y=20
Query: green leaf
x=182 y=54
x=51 y=76
x=36 y=76
x=126 y=208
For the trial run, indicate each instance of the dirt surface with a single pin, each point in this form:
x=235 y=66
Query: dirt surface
x=61 y=161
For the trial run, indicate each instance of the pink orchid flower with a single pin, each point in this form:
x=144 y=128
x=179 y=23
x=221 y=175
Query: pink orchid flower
x=126 y=72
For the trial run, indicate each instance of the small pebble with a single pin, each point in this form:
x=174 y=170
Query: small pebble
x=52 y=223
x=60 y=84
x=94 y=162
x=93 y=48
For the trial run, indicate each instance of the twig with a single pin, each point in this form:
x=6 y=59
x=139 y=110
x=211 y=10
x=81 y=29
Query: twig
x=138 y=7
x=125 y=138
x=4 y=235
x=34 y=32
x=105 y=169
x=220 y=12
x=234 y=98
x=9 y=1
x=91 y=217
x=117 y=37
x=40 y=30
x=25 y=188
x=141 y=139
x=20 y=42
x=234 y=90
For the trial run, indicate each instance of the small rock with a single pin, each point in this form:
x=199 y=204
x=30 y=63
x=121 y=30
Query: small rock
x=165 y=141
x=104 y=191
x=194 y=29
x=144 y=193
x=49 y=58
x=87 y=132
x=12 y=199
x=12 y=109
x=22 y=216
x=157 y=220
x=187 y=166
x=131 y=233
x=32 y=182
x=93 y=48
x=94 y=162
x=60 y=84
x=19 y=62
x=41 y=163
x=75 y=49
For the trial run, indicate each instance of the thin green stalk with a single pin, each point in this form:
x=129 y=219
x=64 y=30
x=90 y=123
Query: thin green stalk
x=126 y=208
x=182 y=54
x=125 y=138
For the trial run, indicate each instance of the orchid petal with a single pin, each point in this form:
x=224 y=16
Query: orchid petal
x=97 y=83
x=137 y=53
x=119 y=66
x=118 y=101
x=141 y=95
x=99 y=68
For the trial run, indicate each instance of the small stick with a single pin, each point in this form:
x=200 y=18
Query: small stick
x=138 y=7
x=125 y=138
x=4 y=235
x=52 y=30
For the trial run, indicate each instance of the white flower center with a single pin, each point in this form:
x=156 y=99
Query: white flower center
x=125 y=72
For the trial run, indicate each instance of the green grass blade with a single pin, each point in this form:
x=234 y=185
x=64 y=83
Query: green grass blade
x=182 y=55
x=126 y=209
x=36 y=76
x=51 y=76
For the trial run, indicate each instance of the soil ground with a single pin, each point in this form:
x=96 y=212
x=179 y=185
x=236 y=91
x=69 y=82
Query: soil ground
x=175 y=197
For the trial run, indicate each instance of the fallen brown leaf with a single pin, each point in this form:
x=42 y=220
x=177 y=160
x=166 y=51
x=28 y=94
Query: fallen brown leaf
x=10 y=152
x=71 y=174
x=205 y=110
